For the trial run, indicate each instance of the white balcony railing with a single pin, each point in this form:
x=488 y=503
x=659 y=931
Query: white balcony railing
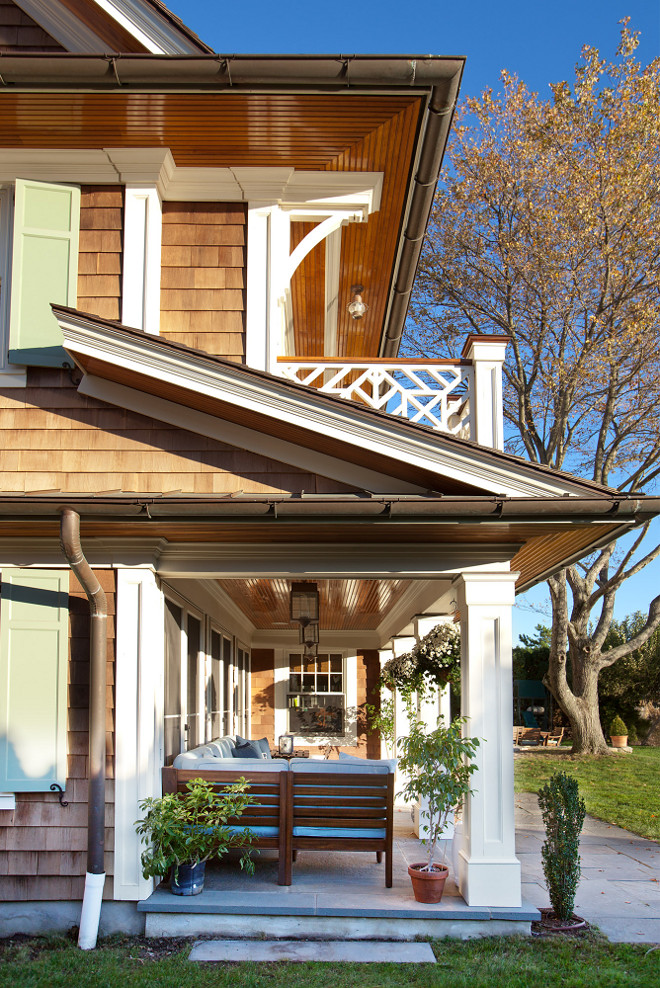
x=434 y=393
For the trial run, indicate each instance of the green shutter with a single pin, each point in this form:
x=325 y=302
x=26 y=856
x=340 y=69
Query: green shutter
x=34 y=646
x=44 y=270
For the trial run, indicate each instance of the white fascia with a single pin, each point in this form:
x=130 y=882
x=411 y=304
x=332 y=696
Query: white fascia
x=158 y=35
x=64 y=26
x=345 y=422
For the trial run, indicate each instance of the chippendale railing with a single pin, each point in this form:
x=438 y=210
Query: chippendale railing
x=431 y=392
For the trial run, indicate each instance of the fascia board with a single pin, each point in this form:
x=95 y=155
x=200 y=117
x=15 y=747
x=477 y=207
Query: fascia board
x=292 y=406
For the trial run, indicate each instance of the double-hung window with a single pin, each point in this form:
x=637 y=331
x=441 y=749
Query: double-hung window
x=316 y=699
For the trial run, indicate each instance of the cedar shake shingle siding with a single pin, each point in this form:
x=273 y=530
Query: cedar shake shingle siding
x=100 y=251
x=203 y=277
x=19 y=33
x=43 y=846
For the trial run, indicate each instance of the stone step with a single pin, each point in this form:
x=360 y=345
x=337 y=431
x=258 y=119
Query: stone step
x=335 y=951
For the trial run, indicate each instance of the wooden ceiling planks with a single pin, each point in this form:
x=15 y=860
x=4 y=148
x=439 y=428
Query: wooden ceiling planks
x=333 y=132
x=344 y=605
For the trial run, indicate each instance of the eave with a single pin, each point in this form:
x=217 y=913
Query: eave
x=410 y=537
x=386 y=444
x=383 y=253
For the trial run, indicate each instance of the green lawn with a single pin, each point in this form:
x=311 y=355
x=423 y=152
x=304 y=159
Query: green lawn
x=620 y=789
x=491 y=963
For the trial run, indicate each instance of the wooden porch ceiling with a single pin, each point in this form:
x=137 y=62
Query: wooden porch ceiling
x=344 y=605
x=315 y=132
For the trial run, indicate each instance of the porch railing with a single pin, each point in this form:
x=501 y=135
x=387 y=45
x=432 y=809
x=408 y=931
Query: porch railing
x=434 y=393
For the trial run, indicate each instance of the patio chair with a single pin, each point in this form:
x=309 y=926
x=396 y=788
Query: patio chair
x=340 y=808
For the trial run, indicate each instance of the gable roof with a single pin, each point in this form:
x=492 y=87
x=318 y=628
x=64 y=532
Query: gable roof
x=301 y=417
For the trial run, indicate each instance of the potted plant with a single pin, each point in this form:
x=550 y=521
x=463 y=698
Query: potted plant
x=618 y=733
x=183 y=830
x=438 y=764
x=563 y=812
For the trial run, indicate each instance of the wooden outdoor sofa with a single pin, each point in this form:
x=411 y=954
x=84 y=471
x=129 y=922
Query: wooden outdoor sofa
x=308 y=805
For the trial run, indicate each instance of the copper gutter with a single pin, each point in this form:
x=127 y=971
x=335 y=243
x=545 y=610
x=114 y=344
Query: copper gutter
x=98 y=607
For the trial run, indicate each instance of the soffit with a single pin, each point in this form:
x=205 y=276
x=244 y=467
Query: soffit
x=312 y=132
x=344 y=605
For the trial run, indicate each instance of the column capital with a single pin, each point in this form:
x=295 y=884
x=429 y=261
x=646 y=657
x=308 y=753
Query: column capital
x=496 y=589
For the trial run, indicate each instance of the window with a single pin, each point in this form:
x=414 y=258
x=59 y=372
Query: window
x=184 y=674
x=316 y=698
x=39 y=233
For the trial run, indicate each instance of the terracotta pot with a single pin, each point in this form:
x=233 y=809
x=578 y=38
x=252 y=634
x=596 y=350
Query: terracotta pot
x=619 y=740
x=428 y=886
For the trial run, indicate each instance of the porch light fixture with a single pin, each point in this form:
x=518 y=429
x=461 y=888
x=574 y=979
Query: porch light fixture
x=311 y=650
x=304 y=604
x=357 y=307
x=309 y=634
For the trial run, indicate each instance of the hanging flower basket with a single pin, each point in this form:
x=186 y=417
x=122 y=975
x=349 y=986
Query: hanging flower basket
x=435 y=661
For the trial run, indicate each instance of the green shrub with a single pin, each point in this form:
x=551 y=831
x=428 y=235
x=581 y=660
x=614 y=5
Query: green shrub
x=633 y=736
x=563 y=813
x=618 y=728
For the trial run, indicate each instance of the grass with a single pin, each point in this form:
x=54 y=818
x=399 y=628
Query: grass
x=587 y=962
x=620 y=789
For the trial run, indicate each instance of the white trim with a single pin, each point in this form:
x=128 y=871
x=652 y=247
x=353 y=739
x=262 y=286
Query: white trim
x=301 y=193
x=243 y=438
x=11 y=376
x=143 y=224
x=256 y=317
x=138 y=719
x=7 y=801
x=158 y=35
x=64 y=26
x=281 y=680
x=332 y=272
x=345 y=422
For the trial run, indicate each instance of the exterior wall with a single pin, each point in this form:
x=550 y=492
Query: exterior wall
x=18 y=32
x=100 y=251
x=263 y=700
x=43 y=846
x=62 y=440
x=203 y=277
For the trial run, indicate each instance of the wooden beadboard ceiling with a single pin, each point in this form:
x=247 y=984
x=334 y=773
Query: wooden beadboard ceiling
x=344 y=605
x=331 y=132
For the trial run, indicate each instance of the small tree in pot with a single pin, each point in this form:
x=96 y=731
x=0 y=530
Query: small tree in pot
x=183 y=830
x=439 y=764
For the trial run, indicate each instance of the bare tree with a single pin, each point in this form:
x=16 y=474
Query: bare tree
x=545 y=227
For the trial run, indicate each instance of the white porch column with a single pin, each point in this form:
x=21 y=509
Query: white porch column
x=143 y=234
x=486 y=421
x=384 y=655
x=489 y=872
x=140 y=633
x=400 y=645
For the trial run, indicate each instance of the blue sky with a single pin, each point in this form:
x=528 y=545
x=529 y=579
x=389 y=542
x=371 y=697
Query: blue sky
x=539 y=40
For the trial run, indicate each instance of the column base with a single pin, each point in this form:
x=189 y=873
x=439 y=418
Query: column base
x=489 y=883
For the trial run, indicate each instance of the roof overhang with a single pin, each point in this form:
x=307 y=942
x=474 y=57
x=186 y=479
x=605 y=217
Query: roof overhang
x=299 y=415
x=415 y=151
x=323 y=536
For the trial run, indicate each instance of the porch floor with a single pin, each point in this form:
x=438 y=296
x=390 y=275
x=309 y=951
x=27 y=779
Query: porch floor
x=334 y=894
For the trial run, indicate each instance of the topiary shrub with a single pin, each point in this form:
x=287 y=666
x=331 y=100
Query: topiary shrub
x=617 y=728
x=633 y=736
x=563 y=813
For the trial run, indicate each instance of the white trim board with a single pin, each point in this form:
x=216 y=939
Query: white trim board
x=296 y=191
x=281 y=402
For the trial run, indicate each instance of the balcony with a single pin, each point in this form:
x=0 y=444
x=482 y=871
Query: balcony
x=434 y=393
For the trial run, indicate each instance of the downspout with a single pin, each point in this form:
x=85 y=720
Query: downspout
x=98 y=609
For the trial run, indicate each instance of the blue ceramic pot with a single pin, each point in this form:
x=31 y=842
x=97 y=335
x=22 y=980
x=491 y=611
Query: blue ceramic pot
x=188 y=880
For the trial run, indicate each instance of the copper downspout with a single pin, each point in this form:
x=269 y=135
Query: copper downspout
x=98 y=607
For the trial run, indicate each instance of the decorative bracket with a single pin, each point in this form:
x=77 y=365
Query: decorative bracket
x=56 y=787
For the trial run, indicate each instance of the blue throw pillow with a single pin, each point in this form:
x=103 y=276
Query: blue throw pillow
x=261 y=745
x=245 y=749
